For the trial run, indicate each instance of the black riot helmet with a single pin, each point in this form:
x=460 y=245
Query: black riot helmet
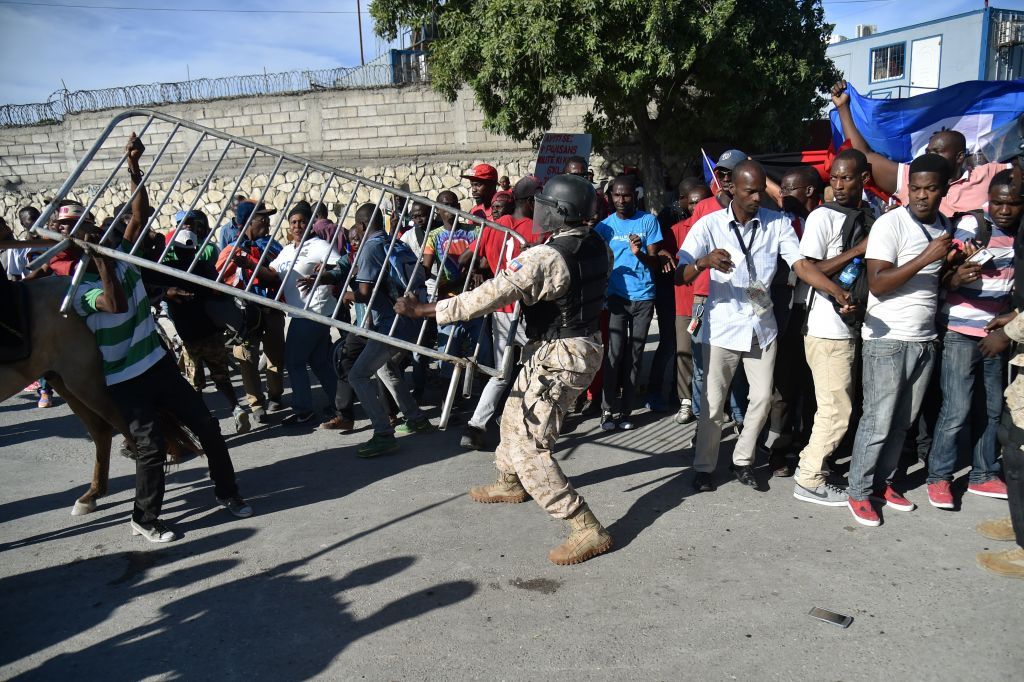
x=566 y=201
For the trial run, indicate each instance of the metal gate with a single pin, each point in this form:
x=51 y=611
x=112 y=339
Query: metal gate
x=184 y=148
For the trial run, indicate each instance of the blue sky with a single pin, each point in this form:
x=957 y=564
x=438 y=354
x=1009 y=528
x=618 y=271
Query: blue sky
x=91 y=48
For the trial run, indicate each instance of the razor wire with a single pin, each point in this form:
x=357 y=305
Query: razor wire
x=385 y=200
x=64 y=102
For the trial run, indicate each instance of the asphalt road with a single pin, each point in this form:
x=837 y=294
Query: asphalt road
x=385 y=570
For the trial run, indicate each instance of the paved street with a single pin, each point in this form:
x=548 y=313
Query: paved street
x=385 y=570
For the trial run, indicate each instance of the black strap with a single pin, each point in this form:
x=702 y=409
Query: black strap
x=983 y=232
x=941 y=219
x=751 y=269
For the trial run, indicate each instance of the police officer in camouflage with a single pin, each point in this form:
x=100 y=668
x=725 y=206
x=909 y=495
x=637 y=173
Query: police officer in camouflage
x=562 y=286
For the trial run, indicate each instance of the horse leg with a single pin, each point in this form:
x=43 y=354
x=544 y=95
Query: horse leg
x=102 y=435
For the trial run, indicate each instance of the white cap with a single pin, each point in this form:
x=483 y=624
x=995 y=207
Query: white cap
x=186 y=238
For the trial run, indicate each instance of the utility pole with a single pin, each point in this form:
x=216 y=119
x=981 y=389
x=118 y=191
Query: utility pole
x=359 y=20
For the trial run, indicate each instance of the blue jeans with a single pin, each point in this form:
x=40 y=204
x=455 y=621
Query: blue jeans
x=384 y=362
x=896 y=375
x=962 y=364
x=465 y=335
x=308 y=343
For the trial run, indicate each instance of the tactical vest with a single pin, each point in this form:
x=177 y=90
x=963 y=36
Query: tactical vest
x=578 y=312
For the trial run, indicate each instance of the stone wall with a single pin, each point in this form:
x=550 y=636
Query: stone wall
x=396 y=134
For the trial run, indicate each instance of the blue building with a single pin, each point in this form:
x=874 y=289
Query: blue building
x=986 y=44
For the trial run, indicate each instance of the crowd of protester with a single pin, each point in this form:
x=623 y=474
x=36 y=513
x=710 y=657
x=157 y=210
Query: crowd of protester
x=868 y=315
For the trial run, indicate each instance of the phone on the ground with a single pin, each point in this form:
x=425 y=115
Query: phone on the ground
x=981 y=257
x=831 y=617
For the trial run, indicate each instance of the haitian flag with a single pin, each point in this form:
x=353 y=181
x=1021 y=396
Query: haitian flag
x=899 y=128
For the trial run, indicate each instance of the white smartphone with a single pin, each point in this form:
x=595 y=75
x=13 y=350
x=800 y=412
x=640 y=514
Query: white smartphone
x=981 y=257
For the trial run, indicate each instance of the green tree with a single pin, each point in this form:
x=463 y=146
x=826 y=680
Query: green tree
x=665 y=75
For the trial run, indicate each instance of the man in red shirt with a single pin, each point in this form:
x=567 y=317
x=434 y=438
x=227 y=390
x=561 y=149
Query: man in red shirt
x=483 y=184
x=684 y=294
x=495 y=251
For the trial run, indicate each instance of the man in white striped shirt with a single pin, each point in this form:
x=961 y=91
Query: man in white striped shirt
x=741 y=244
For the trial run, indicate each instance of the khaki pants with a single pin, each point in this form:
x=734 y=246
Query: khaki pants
x=831 y=362
x=721 y=364
x=271 y=341
x=553 y=375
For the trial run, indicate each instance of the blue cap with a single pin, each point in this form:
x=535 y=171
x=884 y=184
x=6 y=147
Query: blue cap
x=247 y=208
x=190 y=215
x=730 y=159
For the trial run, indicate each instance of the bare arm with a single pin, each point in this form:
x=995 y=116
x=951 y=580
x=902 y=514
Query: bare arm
x=884 y=171
x=113 y=299
x=831 y=266
x=885 y=277
x=140 y=204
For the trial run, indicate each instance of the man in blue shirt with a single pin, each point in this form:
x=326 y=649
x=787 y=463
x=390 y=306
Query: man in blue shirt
x=635 y=239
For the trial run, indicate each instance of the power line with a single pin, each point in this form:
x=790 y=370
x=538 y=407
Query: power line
x=174 y=9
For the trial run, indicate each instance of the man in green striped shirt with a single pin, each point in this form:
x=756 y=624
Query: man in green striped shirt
x=141 y=377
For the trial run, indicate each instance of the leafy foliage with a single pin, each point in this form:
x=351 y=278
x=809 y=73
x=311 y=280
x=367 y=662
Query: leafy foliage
x=668 y=74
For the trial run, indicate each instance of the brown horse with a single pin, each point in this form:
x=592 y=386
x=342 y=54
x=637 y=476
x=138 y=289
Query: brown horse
x=63 y=350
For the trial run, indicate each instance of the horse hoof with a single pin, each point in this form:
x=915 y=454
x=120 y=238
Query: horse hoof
x=83 y=508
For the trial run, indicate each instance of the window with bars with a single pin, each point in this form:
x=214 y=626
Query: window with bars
x=888 y=62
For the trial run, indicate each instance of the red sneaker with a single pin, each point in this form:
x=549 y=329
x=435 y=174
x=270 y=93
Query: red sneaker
x=993 y=487
x=940 y=495
x=894 y=500
x=864 y=512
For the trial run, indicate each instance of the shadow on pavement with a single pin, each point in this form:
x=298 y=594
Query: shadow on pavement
x=274 y=624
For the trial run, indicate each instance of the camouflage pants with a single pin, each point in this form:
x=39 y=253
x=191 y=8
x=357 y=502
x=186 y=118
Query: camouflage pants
x=213 y=354
x=551 y=379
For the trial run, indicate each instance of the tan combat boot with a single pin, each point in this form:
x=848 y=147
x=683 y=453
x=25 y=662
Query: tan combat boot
x=996 y=529
x=587 y=539
x=1009 y=564
x=506 y=489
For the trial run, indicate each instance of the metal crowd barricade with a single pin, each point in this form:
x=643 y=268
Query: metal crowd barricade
x=218 y=148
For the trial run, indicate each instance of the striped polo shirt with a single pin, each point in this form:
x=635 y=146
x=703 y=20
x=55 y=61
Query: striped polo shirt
x=128 y=341
x=971 y=306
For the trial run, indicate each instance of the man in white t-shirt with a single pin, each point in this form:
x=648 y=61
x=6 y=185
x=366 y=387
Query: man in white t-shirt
x=906 y=253
x=307 y=342
x=830 y=344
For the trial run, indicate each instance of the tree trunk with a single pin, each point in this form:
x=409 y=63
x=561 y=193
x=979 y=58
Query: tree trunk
x=652 y=166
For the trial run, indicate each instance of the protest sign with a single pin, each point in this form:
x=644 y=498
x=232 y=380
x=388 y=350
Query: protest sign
x=555 y=150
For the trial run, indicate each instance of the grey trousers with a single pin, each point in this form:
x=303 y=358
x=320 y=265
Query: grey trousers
x=501 y=325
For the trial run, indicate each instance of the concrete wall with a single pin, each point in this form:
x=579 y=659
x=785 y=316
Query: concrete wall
x=406 y=134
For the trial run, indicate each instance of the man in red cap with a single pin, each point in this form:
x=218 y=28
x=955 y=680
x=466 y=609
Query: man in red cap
x=483 y=184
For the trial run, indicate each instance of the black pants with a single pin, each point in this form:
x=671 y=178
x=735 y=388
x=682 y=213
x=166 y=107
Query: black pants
x=1012 y=439
x=162 y=388
x=665 y=306
x=793 y=403
x=628 y=324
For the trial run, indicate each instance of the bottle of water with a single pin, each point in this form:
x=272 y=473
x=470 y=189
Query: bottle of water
x=849 y=274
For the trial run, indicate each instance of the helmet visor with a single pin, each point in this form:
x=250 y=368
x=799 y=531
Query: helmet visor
x=547 y=216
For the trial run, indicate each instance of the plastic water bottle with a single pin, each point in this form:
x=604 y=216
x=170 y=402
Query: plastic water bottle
x=849 y=274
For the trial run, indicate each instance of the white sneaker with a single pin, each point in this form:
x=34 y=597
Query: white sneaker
x=685 y=413
x=626 y=425
x=156 y=531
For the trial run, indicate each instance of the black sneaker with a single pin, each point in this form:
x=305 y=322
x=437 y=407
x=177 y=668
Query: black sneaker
x=237 y=506
x=608 y=421
x=472 y=438
x=157 y=531
x=298 y=418
x=745 y=475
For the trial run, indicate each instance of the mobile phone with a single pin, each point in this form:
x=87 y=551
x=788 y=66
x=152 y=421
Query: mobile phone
x=831 y=617
x=981 y=257
x=694 y=326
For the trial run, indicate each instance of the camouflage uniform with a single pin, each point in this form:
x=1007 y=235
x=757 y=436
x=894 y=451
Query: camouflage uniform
x=553 y=375
x=1011 y=430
